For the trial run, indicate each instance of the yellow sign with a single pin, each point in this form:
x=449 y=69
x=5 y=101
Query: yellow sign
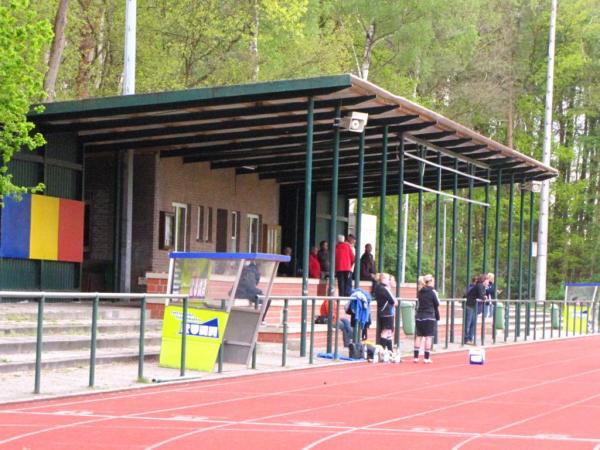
x=576 y=318
x=204 y=332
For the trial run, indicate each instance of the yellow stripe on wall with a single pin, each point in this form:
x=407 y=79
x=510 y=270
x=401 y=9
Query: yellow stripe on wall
x=43 y=242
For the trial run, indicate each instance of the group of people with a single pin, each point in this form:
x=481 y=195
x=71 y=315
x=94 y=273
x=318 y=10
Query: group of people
x=480 y=294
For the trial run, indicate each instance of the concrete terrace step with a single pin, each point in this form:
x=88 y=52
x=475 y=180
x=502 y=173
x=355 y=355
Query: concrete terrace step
x=79 y=359
x=17 y=345
x=27 y=312
x=72 y=327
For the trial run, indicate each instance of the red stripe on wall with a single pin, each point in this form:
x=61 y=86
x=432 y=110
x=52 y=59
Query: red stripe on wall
x=70 y=231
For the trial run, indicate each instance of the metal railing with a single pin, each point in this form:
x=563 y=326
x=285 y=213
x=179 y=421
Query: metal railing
x=526 y=318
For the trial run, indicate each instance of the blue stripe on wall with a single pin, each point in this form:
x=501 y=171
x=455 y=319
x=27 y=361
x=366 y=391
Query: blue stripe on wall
x=16 y=224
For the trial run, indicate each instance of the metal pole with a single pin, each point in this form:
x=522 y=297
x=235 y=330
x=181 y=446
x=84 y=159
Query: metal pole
x=438 y=206
x=469 y=226
x=307 y=212
x=542 y=248
x=381 y=244
x=453 y=250
x=469 y=254
x=444 y=252
x=142 y=338
x=399 y=240
x=38 y=345
x=92 y=377
x=334 y=206
x=405 y=238
x=520 y=264
x=420 y=215
x=529 y=265
x=184 y=336
x=359 y=199
x=497 y=235
x=486 y=214
x=511 y=199
x=129 y=63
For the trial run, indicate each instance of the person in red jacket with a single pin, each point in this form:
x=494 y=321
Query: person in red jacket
x=344 y=259
x=314 y=267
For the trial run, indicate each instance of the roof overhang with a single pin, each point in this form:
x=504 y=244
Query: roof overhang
x=261 y=128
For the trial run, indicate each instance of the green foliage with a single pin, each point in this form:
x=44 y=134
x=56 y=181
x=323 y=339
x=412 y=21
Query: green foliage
x=480 y=62
x=23 y=37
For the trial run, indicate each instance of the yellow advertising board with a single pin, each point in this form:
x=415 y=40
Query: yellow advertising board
x=205 y=329
x=576 y=318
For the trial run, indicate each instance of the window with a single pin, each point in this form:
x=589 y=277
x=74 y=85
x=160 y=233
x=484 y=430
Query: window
x=200 y=224
x=166 y=231
x=253 y=232
x=204 y=224
x=235 y=231
x=180 y=235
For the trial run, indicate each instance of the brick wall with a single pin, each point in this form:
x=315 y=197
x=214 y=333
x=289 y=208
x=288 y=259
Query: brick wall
x=196 y=184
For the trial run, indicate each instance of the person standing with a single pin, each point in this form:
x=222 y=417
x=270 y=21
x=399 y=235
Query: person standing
x=475 y=295
x=490 y=293
x=386 y=310
x=314 y=268
x=285 y=269
x=367 y=264
x=323 y=257
x=344 y=258
x=427 y=315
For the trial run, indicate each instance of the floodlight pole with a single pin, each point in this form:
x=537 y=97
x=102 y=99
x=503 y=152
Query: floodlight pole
x=542 y=247
x=129 y=62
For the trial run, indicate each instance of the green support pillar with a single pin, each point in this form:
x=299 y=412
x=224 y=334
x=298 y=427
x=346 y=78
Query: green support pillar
x=359 y=199
x=400 y=235
x=381 y=243
x=453 y=249
x=531 y=228
x=521 y=233
x=420 y=214
x=511 y=201
x=438 y=230
x=497 y=249
x=486 y=214
x=334 y=206
x=469 y=225
x=307 y=211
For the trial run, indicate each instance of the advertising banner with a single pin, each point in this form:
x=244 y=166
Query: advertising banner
x=205 y=329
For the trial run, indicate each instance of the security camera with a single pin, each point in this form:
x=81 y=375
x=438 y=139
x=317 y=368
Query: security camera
x=355 y=122
x=532 y=186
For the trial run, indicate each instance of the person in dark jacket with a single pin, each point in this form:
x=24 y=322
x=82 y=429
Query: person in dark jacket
x=386 y=309
x=474 y=296
x=367 y=264
x=426 y=316
x=323 y=257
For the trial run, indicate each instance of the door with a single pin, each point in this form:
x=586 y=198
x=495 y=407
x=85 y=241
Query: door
x=222 y=230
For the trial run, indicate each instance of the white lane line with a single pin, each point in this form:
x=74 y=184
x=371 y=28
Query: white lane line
x=137 y=415
x=527 y=419
x=252 y=421
x=443 y=408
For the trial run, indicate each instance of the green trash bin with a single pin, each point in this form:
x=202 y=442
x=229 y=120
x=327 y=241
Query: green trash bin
x=499 y=316
x=407 y=310
x=555 y=316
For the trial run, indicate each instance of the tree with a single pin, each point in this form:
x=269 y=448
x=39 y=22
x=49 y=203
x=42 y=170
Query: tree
x=23 y=38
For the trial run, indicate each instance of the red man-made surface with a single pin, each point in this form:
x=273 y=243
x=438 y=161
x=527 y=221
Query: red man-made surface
x=534 y=396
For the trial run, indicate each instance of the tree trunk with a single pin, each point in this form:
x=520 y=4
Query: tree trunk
x=254 y=42
x=510 y=119
x=369 y=42
x=87 y=47
x=58 y=44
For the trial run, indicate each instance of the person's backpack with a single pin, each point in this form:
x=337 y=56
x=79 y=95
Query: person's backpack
x=355 y=350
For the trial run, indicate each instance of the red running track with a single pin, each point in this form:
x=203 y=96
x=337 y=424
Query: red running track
x=544 y=395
